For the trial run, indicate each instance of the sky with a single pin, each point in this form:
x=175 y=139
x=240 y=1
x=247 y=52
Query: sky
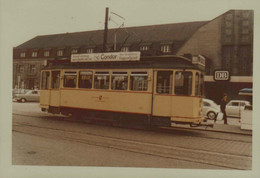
x=22 y=20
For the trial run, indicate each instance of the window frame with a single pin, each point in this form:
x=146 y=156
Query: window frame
x=102 y=73
x=190 y=83
x=121 y=74
x=47 y=81
x=34 y=54
x=22 y=54
x=46 y=53
x=60 y=52
x=66 y=73
x=52 y=84
x=140 y=74
x=79 y=79
x=170 y=82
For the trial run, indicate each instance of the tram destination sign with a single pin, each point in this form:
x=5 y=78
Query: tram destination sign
x=103 y=57
x=221 y=75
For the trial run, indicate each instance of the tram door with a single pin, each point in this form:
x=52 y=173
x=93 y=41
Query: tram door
x=162 y=102
x=55 y=89
x=45 y=89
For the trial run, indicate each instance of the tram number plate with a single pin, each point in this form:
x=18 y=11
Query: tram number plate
x=221 y=75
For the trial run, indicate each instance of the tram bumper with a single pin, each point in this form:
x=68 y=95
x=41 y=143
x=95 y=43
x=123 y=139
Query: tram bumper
x=199 y=124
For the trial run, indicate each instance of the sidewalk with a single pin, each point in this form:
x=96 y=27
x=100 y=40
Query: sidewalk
x=232 y=127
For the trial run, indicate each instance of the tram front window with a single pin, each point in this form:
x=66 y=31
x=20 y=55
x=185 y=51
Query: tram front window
x=119 y=81
x=70 y=79
x=197 y=84
x=138 y=81
x=201 y=84
x=183 y=83
x=85 y=79
x=45 y=80
x=101 y=80
x=164 y=82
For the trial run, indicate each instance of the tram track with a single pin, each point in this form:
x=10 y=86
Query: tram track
x=161 y=129
x=230 y=161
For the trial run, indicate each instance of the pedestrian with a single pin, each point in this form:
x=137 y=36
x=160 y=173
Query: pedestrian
x=223 y=104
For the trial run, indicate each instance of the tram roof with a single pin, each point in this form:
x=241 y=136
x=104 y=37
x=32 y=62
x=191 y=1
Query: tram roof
x=167 y=62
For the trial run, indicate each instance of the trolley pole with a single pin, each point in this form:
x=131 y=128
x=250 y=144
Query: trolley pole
x=105 y=31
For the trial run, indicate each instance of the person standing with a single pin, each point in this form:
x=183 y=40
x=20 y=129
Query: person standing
x=223 y=104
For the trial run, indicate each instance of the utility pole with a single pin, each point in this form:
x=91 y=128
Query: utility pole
x=105 y=31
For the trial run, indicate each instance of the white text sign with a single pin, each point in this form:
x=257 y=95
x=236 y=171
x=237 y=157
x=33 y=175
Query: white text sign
x=102 y=57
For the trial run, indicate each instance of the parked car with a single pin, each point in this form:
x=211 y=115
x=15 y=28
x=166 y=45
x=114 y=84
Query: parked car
x=234 y=107
x=30 y=95
x=210 y=109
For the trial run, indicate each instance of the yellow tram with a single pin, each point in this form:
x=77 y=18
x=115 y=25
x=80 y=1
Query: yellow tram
x=158 y=90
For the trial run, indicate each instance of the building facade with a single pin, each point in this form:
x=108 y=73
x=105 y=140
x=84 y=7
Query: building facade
x=226 y=42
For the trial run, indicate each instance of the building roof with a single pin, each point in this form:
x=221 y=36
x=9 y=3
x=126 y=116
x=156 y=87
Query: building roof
x=176 y=33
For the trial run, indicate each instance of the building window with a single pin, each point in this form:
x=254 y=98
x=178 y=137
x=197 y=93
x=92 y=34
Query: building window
x=90 y=50
x=125 y=49
x=74 y=51
x=228 y=24
x=165 y=48
x=32 y=68
x=19 y=68
x=70 y=79
x=101 y=80
x=183 y=83
x=139 y=81
x=245 y=14
x=245 y=23
x=60 y=52
x=244 y=38
x=229 y=16
x=245 y=31
x=228 y=31
x=22 y=54
x=144 y=48
x=85 y=79
x=119 y=81
x=46 y=53
x=34 y=54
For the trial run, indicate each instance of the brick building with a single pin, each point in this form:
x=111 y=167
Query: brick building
x=226 y=42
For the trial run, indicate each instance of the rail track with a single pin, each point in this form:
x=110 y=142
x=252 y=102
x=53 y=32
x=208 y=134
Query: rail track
x=173 y=130
x=187 y=150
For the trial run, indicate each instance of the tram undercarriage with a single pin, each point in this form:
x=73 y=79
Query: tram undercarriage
x=119 y=117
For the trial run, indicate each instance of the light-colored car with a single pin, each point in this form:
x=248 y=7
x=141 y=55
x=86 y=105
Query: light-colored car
x=31 y=95
x=234 y=107
x=210 y=109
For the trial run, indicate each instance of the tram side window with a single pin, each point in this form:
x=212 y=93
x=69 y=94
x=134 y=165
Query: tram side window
x=45 y=80
x=197 y=84
x=85 y=79
x=101 y=80
x=55 y=82
x=183 y=83
x=164 y=82
x=201 y=84
x=119 y=81
x=139 y=81
x=70 y=79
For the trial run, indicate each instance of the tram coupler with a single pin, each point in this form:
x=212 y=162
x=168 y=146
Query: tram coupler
x=201 y=125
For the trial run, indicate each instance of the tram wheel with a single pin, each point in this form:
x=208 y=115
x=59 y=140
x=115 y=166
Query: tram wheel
x=23 y=100
x=211 y=115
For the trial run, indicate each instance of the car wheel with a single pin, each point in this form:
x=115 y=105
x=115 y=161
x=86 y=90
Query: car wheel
x=211 y=115
x=23 y=100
